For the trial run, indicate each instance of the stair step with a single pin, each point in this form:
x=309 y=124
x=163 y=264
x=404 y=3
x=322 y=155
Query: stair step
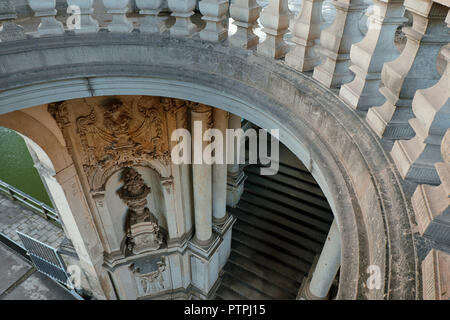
x=261 y=271
x=270 y=251
x=303 y=244
x=292 y=182
x=244 y=290
x=324 y=215
x=286 y=190
x=260 y=284
x=225 y=293
x=296 y=173
x=279 y=209
x=275 y=241
x=268 y=262
x=278 y=219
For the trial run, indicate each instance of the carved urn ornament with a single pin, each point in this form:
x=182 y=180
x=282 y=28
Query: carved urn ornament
x=142 y=228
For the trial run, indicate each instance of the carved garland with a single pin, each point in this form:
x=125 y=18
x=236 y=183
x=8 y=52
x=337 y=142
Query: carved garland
x=114 y=135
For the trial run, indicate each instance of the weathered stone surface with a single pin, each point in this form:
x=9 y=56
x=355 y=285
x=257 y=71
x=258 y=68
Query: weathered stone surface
x=436 y=276
x=341 y=152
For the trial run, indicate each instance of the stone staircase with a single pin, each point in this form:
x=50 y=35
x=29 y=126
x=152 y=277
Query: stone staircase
x=282 y=223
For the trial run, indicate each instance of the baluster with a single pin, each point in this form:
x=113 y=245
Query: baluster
x=86 y=23
x=10 y=30
x=436 y=275
x=336 y=41
x=415 y=158
x=118 y=9
x=432 y=203
x=414 y=69
x=152 y=22
x=245 y=14
x=214 y=12
x=306 y=31
x=369 y=55
x=182 y=11
x=275 y=21
x=45 y=9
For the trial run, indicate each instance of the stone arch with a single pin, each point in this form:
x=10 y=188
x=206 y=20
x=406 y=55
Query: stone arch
x=40 y=133
x=101 y=176
x=342 y=153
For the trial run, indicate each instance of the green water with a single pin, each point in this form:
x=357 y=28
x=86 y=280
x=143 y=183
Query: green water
x=16 y=166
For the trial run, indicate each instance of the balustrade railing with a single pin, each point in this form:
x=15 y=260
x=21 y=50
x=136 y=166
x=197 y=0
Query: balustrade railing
x=41 y=208
x=395 y=85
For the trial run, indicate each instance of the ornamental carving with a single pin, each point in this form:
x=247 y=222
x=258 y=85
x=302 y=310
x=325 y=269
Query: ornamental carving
x=142 y=230
x=112 y=133
x=149 y=275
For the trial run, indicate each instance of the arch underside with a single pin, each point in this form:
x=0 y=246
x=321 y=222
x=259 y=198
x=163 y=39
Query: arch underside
x=345 y=157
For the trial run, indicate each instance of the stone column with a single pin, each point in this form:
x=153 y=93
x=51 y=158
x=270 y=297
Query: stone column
x=74 y=210
x=219 y=182
x=318 y=286
x=336 y=41
x=11 y=31
x=152 y=23
x=214 y=12
x=185 y=169
x=118 y=9
x=369 y=55
x=182 y=11
x=245 y=14
x=306 y=31
x=86 y=23
x=201 y=177
x=414 y=69
x=415 y=158
x=236 y=176
x=275 y=21
x=45 y=9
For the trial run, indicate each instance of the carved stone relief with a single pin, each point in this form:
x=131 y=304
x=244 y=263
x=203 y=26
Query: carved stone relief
x=115 y=133
x=149 y=275
x=142 y=230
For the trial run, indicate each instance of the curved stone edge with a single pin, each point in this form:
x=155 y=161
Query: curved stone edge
x=283 y=93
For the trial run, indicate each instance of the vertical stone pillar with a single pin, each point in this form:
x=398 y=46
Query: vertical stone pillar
x=182 y=11
x=152 y=23
x=369 y=55
x=185 y=170
x=219 y=178
x=275 y=21
x=432 y=203
x=118 y=9
x=306 y=31
x=336 y=41
x=201 y=177
x=214 y=12
x=436 y=276
x=86 y=24
x=318 y=286
x=236 y=176
x=10 y=31
x=245 y=14
x=414 y=69
x=45 y=9
x=415 y=158
x=75 y=213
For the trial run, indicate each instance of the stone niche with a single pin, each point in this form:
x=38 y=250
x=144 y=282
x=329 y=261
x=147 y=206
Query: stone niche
x=138 y=197
x=120 y=211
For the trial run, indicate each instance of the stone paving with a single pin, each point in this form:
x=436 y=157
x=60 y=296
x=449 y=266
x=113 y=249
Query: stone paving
x=14 y=216
x=19 y=280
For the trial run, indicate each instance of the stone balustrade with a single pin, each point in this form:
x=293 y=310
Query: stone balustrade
x=379 y=76
x=396 y=86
